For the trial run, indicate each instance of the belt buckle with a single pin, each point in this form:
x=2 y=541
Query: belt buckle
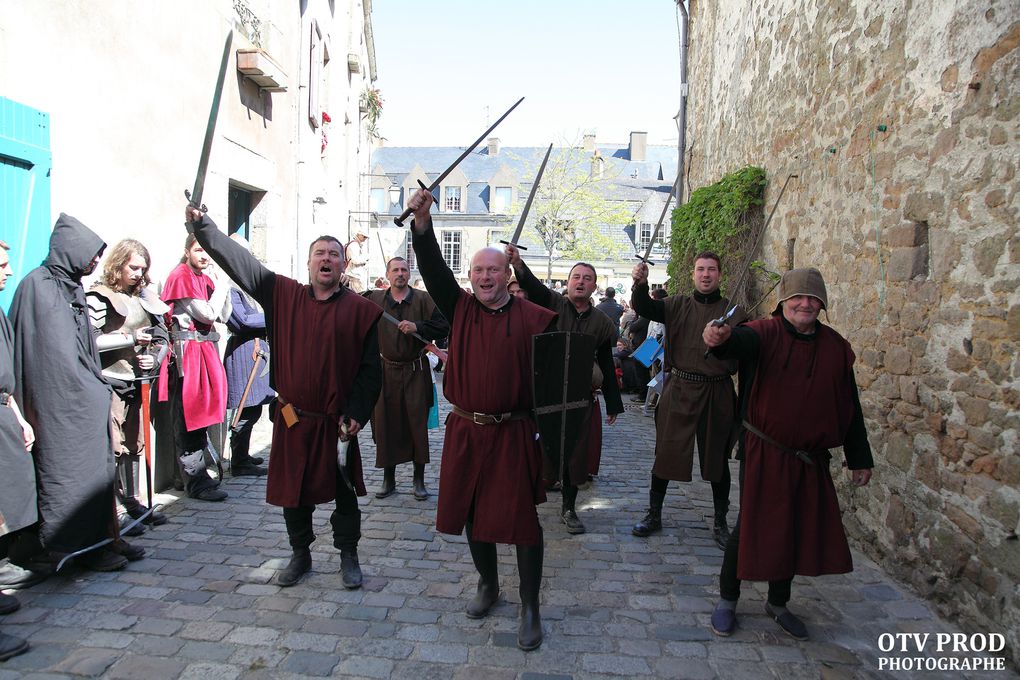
x=474 y=418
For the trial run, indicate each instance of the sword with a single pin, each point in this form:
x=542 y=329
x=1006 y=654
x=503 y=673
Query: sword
x=722 y=319
x=750 y=254
x=399 y=221
x=658 y=225
x=428 y=345
x=527 y=205
x=195 y=195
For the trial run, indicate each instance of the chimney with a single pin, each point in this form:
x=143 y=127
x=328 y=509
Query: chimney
x=589 y=142
x=638 y=146
x=493 y=146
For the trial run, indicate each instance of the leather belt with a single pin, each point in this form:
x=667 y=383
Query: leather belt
x=195 y=336
x=308 y=414
x=698 y=377
x=799 y=453
x=5 y=398
x=415 y=364
x=490 y=419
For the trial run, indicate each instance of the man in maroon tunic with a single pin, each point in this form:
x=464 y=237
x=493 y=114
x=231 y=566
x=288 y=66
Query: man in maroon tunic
x=491 y=475
x=326 y=372
x=577 y=314
x=400 y=419
x=798 y=399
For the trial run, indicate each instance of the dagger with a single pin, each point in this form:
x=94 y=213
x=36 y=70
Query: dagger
x=399 y=221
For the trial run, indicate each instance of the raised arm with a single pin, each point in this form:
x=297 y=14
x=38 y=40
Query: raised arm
x=537 y=291
x=240 y=265
x=643 y=304
x=439 y=280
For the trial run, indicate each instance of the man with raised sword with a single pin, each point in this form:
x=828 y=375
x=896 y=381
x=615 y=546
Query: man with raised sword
x=698 y=403
x=577 y=314
x=327 y=376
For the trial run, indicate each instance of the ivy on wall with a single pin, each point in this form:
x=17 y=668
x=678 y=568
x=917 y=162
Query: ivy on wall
x=719 y=217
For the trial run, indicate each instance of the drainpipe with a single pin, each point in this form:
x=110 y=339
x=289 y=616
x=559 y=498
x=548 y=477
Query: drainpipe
x=681 y=116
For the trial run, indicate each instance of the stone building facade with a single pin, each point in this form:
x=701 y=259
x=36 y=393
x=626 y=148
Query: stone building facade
x=900 y=122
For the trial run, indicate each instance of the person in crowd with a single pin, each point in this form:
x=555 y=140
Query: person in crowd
x=798 y=400
x=56 y=360
x=610 y=307
x=17 y=474
x=126 y=315
x=322 y=402
x=356 y=253
x=193 y=378
x=491 y=475
x=245 y=362
x=577 y=314
x=698 y=402
x=400 y=419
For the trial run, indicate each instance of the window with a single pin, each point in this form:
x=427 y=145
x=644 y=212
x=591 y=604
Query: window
x=452 y=199
x=412 y=264
x=646 y=236
x=379 y=201
x=451 y=250
x=502 y=199
x=239 y=212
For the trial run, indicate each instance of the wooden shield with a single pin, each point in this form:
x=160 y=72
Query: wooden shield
x=561 y=384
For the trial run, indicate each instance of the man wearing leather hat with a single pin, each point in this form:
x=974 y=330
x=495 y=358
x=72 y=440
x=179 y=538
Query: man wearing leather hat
x=798 y=399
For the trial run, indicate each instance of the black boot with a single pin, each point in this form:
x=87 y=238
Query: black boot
x=350 y=568
x=300 y=563
x=389 y=483
x=11 y=646
x=720 y=530
x=420 y=492
x=569 y=513
x=346 y=534
x=529 y=565
x=486 y=562
x=653 y=519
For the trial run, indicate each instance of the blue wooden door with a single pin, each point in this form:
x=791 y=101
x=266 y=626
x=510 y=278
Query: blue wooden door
x=25 y=163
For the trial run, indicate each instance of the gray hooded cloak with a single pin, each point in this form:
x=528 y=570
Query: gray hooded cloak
x=62 y=393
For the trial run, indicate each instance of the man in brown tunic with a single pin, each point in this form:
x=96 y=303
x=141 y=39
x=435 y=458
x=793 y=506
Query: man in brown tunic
x=326 y=373
x=577 y=314
x=491 y=475
x=698 y=403
x=798 y=399
x=400 y=418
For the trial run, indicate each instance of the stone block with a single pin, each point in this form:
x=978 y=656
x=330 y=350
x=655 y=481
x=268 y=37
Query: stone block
x=897 y=361
x=906 y=264
x=899 y=451
x=975 y=410
x=922 y=206
x=906 y=235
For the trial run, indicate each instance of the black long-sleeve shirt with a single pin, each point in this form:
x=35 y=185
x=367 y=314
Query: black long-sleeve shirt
x=259 y=282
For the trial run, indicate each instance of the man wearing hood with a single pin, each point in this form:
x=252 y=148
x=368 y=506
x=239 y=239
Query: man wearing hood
x=798 y=399
x=61 y=390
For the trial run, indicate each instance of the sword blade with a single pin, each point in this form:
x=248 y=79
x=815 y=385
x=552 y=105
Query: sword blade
x=428 y=345
x=195 y=197
x=658 y=225
x=515 y=239
x=399 y=221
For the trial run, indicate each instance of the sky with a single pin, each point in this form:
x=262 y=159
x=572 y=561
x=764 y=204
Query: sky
x=449 y=68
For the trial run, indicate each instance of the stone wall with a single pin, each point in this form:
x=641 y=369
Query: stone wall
x=900 y=120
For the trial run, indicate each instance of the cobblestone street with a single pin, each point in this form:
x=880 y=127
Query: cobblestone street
x=202 y=603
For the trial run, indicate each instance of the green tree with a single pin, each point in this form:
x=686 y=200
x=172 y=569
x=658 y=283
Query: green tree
x=571 y=205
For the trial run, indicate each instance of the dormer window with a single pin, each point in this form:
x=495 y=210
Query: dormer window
x=502 y=199
x=452 y=196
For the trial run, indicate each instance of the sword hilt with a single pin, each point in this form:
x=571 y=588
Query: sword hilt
x=515 y=245
x=644 y=259
x=399 y=221
x=201 y=208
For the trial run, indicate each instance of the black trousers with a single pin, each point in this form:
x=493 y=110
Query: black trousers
x=729 y=584
x=346 y=520
x=720 y=489
x=240 y=435
x=185 y=440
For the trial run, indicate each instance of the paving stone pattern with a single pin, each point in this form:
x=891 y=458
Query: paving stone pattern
x=202 y=603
